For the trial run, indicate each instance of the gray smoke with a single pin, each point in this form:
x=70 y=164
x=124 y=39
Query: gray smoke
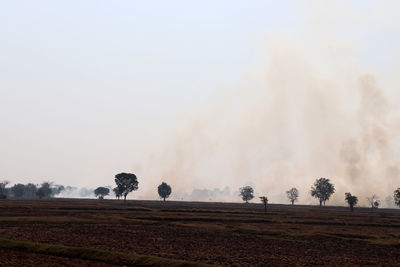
x=75 y=192
x=215 y=195
x=312 y=111
x=293 y=129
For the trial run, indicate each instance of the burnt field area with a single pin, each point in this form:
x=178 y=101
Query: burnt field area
x=76 y=232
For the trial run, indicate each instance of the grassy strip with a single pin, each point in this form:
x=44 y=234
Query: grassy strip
x=92 y=254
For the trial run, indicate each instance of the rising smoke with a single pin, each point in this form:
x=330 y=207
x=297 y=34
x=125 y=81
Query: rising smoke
x=297 y=125
x=312 y=111
x=75 y=192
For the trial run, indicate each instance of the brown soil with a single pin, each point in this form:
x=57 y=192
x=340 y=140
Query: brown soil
x=215 y=233
x=17 y=258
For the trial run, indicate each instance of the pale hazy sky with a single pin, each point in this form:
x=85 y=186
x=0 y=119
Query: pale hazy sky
x=90 y=88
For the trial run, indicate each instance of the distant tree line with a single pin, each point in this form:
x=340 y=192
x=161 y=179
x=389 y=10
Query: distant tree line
x=30 y=190
x=322 y=189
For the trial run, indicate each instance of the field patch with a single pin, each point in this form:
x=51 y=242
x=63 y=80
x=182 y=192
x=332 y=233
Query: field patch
x=114 y=233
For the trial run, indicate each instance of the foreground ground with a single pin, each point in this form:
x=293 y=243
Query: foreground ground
x=65 y=232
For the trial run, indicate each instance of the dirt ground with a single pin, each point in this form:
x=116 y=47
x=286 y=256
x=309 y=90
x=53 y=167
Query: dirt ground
x=17 y=258
x=225 y=234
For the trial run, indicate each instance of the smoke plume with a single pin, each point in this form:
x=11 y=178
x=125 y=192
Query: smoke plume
x=313 y=110
x=294 y=127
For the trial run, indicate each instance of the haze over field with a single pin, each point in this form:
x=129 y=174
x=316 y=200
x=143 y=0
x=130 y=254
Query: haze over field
x=202 y=96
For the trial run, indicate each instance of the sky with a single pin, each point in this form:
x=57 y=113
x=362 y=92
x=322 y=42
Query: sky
x=203 y=94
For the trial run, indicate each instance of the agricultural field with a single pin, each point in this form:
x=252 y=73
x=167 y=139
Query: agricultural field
x=76 y=232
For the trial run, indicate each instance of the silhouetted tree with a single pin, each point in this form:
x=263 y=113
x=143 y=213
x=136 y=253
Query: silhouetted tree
x=126 y=183
x=18 y=190
x=292 y=194
x=351 y=200
x=57 y=189
x=3 y=190
x=117 y=192
x=101 y=192
x=44 y=190
x=164 y=190
x=264 y=200
x=247 y=193
x=373 y=201
x=322 y=190
x=30 y=190
x=396 y=196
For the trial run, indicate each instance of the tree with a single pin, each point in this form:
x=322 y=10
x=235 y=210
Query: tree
x=396 y=196
x=3 y=190
x=126 y=183
x=44 y=190
x=18 y=190
x=21 y=190
x=351 y=200
x=101 y=192
x=322 y=189
x=117 y=192
x=57 y=189
x=292 y=195
x=264 y=200
x=373 y=201
x=247 y=193
x=164 y=190
x=30 y=190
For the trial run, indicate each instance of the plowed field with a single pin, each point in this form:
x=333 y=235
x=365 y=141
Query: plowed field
x=65 y=232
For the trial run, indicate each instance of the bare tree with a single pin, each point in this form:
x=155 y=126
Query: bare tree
x=373 y=201
x=292 y=194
